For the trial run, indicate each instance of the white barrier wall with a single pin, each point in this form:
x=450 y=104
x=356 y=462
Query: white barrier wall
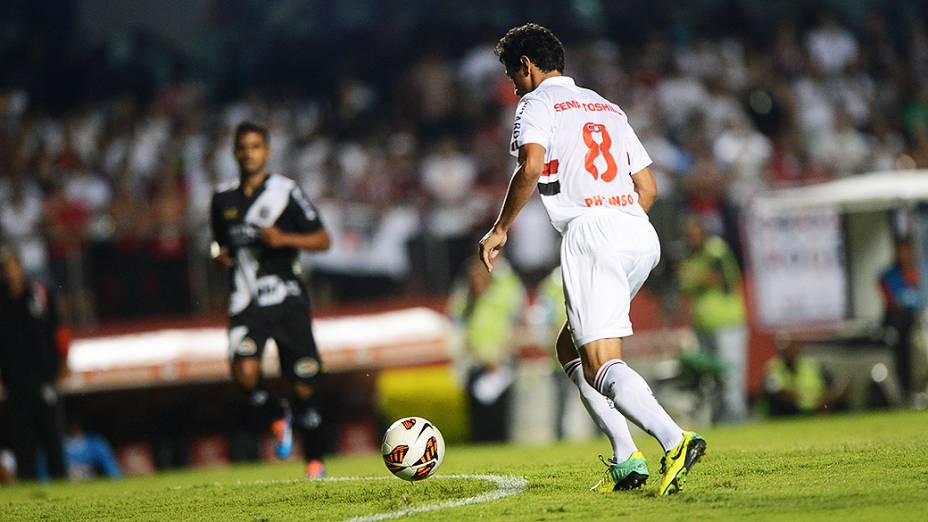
x=397 y=338
x=866 y=203
x=870 y=242
x=798 y=267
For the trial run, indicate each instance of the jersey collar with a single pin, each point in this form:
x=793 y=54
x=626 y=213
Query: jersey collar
x=258 y=190
x=556 y=80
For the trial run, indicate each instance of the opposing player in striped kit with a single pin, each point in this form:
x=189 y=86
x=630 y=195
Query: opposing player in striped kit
x=592 y=172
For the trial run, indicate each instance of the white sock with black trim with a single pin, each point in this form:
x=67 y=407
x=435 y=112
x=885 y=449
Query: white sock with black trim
x=633 y=397
x=609 y=420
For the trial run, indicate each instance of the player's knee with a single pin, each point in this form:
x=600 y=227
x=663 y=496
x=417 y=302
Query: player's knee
x=303 y=390
x=246 y=373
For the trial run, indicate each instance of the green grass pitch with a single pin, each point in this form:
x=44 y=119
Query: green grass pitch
x=850 y=467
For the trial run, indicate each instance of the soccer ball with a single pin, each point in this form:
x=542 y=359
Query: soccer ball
x=413 y=448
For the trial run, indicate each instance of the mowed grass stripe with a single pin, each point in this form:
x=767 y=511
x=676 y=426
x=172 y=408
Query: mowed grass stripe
x=850 y=467
x=271 y=500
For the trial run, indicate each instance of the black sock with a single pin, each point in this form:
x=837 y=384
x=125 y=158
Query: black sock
x=264 y=401
x=307 y=422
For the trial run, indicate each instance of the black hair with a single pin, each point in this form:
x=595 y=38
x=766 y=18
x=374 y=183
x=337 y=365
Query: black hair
x=536 y=42
x=247 y=127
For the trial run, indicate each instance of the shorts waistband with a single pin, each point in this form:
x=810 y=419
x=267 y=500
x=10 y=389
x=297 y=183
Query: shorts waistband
x=595 y=213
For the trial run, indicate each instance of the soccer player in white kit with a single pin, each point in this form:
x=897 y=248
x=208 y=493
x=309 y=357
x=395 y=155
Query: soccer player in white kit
x=592 y=172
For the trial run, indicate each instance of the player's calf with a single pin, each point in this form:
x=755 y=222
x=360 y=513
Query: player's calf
x=308 y=422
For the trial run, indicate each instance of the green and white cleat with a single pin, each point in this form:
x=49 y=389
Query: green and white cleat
x=630 y=474
x=677 y=462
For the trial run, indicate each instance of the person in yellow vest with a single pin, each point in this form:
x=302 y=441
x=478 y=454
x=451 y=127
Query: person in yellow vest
x=710 y=278
x=796 y=383
x=486 y=308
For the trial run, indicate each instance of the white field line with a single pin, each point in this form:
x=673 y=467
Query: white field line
x=506 y=486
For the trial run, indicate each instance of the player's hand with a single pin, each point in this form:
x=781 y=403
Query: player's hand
x=490 y=247
x=221 y=257
x=273 y=237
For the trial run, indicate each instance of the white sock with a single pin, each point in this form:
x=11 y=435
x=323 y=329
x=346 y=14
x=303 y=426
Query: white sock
x=609 y=420
x=633 y=397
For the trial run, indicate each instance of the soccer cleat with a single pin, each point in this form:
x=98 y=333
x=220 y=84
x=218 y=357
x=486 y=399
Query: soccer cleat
x=630 y=474
x=677 y=462
x=315 y=469
x=283 y=437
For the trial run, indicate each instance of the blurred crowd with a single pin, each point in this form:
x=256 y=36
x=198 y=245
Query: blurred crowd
x=109 y=198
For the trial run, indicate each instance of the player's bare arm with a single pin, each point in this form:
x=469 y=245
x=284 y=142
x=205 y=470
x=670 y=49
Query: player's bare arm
x=646 y=188
x=315 y=241
x=521 y=186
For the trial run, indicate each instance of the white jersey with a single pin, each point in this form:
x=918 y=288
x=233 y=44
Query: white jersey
x=591 y=151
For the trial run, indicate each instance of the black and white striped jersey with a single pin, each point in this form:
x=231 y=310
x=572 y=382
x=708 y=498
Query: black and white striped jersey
x=262 y=275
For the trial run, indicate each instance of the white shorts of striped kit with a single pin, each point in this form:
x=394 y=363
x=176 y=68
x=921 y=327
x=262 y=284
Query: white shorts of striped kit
x=606 y=257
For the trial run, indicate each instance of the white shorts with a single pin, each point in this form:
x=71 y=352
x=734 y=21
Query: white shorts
x=605 y=259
